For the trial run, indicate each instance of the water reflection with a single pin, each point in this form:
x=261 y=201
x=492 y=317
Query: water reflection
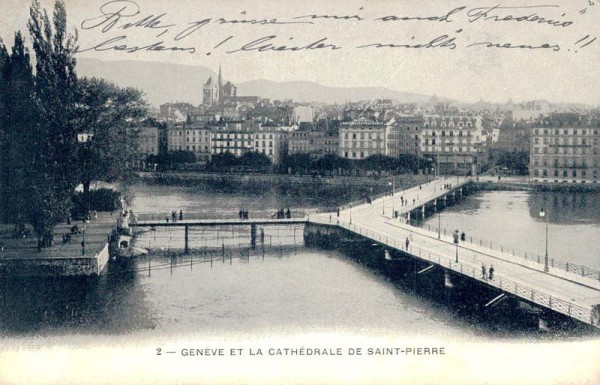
x=510 y=219
x=112 y=303
x=566 y=207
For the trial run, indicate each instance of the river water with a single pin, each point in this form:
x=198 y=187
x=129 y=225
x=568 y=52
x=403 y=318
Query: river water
x=291 y=291
x=510 y=219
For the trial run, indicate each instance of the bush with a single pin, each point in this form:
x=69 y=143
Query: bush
x=103 y=199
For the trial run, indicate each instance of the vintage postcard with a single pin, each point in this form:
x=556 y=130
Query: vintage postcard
x=299 y=192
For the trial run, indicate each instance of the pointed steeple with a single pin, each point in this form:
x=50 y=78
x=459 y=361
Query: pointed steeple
x=220 y=84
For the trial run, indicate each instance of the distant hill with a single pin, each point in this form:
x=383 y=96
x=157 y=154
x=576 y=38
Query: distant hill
x=165 y=82
x=161 y=82
x=303 y=91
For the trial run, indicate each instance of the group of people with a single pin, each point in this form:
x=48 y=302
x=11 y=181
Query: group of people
x=74 y=230
x=282 y=214
x=243 y=214
x=404 y=202
x=174 y=216
x=487 y=274
x=447 y=186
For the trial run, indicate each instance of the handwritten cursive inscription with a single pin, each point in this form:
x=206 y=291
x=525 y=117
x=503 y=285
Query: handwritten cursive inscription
x=266 y=44
x=113 y=11
x=112 y=45
x=443 y=18
x=443 y=41
x=491 y=14
x=126 y=29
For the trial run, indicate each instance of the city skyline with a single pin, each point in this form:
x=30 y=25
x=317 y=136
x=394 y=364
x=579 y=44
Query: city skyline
x=469 y=72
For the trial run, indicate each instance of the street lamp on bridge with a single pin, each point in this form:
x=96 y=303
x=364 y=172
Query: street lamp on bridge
x=456 y=236
x=383 y=203
x=544 y=213
x=439 y=224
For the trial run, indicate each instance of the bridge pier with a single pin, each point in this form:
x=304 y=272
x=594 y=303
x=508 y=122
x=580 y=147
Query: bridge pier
x=186 y=248
x=253 y=236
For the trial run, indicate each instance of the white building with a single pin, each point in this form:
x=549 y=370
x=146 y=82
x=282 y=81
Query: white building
x=362 y=138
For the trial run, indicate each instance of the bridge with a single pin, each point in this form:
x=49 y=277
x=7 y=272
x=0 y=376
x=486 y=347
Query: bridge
x=574 y=291
x=564 y=288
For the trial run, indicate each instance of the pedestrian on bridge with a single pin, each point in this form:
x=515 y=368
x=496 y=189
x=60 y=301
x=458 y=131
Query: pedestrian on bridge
x=180 y=215
x=407 y=243
x=491 y=272
x=483 y=272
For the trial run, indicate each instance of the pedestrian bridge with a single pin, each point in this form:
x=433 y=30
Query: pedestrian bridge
x=572 y=290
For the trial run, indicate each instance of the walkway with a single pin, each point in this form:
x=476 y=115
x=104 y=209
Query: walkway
x=565 y=292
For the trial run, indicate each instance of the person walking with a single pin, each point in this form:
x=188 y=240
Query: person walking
x=491 y=272
x=483 y=272
x=180 y=215
x=407 y=243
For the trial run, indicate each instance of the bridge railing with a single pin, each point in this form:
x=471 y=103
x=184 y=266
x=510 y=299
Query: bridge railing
x=398 y=190
x=584 y=314
x=262 y=214
x=569 y=267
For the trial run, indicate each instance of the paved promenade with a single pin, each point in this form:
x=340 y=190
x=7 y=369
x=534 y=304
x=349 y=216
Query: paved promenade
x=96 y=232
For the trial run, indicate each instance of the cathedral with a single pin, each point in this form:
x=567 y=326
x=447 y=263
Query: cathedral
x=217 y=92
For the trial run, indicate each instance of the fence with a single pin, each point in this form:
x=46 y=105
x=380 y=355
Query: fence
x=569 y=267
x=505 y=284
x=173 y=258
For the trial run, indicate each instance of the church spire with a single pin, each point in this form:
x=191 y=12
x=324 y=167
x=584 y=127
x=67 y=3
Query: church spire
x=220 y=84
x=220 y=78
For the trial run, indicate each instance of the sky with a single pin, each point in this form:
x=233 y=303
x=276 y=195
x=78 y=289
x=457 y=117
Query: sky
x=470 y=65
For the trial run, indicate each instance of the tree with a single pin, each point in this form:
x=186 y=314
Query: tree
x=379 y=162
x=103 y=112
x=254 y=159
x=409 y=162
x=54 y=151
x=297 y=162
x=19 y=115
x=4 y=84
x=330 y=162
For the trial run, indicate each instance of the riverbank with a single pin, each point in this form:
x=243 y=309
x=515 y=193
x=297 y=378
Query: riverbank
x=328 y=191
x=524 y=183
x=20 y=256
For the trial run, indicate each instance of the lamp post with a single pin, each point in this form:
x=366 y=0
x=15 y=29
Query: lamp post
x=439 y=224
x=350 y=213
x=544 y=213
x=393 y=203
x=85 y=139
x=456 y=243
x=83 y=240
